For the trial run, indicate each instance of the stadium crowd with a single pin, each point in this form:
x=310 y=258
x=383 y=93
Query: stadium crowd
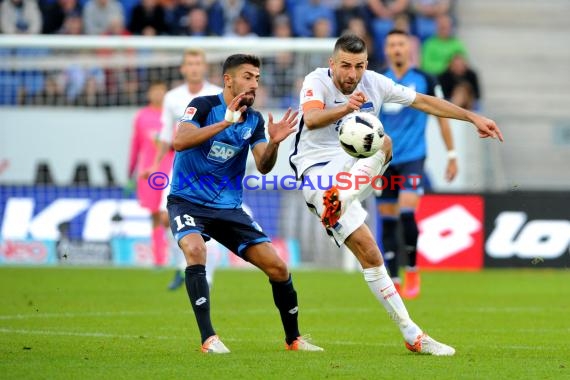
x=431 y=24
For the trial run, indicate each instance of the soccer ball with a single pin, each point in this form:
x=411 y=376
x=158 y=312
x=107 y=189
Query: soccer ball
x=361 y=134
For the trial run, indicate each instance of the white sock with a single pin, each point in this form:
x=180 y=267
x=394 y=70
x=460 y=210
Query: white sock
x=383 y=288
x=371 y=167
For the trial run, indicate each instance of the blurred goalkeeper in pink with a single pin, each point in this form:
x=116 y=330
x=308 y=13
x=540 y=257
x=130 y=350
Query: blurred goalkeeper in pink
x=144 y=147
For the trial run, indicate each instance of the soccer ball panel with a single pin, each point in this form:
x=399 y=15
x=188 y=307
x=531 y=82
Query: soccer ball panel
x=361 y=134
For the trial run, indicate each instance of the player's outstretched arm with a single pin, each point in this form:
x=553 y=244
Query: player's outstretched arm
x=265 y=154
x=189 y=135
x=447 y=136
x=442 y=108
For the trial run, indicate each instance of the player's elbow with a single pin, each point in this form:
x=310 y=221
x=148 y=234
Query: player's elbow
x=178 y=144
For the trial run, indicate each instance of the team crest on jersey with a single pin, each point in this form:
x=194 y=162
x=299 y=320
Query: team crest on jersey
x=246 y=134
x=222 y=152
x=189 y=113
x=367 y=107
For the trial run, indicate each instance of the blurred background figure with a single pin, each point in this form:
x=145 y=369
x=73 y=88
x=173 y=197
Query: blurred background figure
x=383 y=13
x=306 y=13
x=402 y=22
x=72 y=25
x=346 y=12
x=438 y=50
x=426 y=13
x=195 y=23
x=54 y=14
x=99 y=14
x=460 y=83
x=357 y=25
x=223 y=14
x=147 y=18
x=144 y=147
x=20 y=17
x=268 y=14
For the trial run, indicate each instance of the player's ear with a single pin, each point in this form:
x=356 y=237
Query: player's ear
x=227 y=80
x=331 y=63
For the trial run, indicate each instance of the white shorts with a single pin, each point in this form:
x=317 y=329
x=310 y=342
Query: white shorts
x=354 y=214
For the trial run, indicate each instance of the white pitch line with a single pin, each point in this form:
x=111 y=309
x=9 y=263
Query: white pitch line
x=79 y=315
x=83 y=334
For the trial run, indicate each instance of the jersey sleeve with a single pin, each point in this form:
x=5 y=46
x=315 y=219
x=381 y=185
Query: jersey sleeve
x=393 y=92
x=196 y=112
x=312 y=93
x=258 y=133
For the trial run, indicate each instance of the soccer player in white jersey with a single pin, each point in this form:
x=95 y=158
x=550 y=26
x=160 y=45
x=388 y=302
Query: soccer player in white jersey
x=194 y=70
x=327 y=96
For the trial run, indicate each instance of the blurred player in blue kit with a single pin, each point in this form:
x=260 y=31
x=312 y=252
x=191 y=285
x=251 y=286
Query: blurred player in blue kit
x=212 y=141
x=406 y=126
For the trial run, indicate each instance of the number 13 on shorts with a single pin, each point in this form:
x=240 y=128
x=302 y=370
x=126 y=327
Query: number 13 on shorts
x=188 y=221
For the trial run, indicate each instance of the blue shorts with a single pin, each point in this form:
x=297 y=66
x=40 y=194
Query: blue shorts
x=233 y=228
x=407 y=176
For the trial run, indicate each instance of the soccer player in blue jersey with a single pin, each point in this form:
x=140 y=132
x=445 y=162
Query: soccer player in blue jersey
x=406 y=126
x=212 y=144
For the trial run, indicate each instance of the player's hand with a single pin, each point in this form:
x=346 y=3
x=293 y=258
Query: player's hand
x=234 y=111
x=355 y=101
x=286 y=126
x=451 y=170
x=486 y=127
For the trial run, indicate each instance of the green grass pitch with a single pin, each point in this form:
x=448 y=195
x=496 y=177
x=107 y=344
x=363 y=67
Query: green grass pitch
x=77 y=323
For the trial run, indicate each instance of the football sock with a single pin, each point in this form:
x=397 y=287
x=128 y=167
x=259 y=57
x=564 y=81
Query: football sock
x=199 y=294
x=383 y=289
x=159 y=245
x=370 y=167
x=410 y=235
x=390 y=242
x=285 y=298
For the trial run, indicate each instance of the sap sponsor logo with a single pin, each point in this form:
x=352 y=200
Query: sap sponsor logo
x=447 y=233
x=221 y=152
x=514 y=235
x=20 y=222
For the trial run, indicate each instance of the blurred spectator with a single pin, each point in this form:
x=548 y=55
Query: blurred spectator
x=357 y=25
x=97 y=15
x=267 y=16
x=54 y=14
x=402 y=22
x=75 y=78
x=171 y=16
x=147 y=18
x=306 y=13
x=460 y=84
x=195 y=23
x=93 y=94
x=241 y=28
x=223 y=13
x=180 y=17
x=383 y=14
x=279 y=69
x=438 y=50
x=425 y=14
x=73 y=25
x=322 y=28
x=20 y=17
x=52 y=93
x=349 y=10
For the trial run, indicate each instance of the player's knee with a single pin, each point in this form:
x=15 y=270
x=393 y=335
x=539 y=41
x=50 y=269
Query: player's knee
x=278 y=271
x=194 y=250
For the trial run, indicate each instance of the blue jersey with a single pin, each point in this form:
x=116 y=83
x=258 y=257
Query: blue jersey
x=405 y=125
x=211 y=174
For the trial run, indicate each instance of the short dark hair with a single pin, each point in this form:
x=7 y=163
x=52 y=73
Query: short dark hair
x=397 y=31
x=236 y=60
x=350 y=43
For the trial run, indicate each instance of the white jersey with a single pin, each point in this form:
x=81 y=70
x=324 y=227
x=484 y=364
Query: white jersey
x=319 y=146
x=175 y=102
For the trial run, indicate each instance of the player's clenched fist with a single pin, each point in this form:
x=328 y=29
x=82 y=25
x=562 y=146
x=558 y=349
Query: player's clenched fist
x=356 y=100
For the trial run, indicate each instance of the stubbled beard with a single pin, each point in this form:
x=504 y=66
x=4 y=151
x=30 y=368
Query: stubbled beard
x=247 y=101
